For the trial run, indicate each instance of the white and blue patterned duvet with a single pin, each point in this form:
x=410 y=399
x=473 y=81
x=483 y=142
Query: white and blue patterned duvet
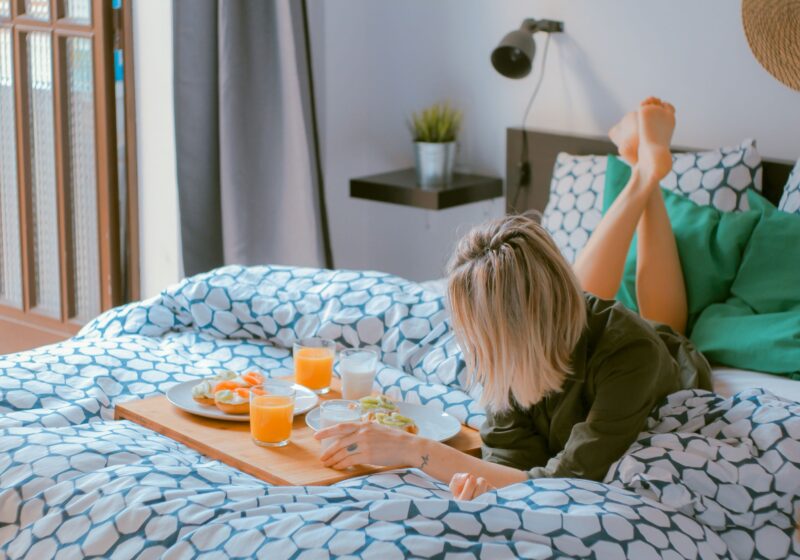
x=711 y=478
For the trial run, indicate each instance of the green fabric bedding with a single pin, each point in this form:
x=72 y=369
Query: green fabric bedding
x=710 y=244
x=742 y=274
x=758 y=327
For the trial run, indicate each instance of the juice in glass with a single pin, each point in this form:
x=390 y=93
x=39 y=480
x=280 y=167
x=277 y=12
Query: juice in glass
x=271 y=413
x=313 y=363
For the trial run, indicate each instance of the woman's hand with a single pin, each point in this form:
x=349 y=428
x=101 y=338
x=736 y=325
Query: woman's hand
x=467 y=486
x=366 y=443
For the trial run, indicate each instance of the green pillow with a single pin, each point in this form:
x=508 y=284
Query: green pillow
x=710 y=244
x=769 y=276
x=732 y=333
x=759 y=327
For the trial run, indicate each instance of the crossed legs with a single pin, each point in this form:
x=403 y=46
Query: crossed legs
x=643 y=138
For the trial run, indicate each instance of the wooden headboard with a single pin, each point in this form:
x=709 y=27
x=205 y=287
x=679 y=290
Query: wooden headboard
x=543 y=147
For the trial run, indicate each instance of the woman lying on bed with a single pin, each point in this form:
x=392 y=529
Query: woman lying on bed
x=569 y=376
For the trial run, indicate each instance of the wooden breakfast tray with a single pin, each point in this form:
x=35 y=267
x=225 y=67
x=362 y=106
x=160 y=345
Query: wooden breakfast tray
x=297 y=464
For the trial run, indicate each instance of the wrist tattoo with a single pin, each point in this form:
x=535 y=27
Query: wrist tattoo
x=352 y=447
x=424 y=461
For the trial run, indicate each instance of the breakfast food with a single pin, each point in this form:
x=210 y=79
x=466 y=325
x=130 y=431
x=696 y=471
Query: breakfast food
x=383 y=410
x=377 y=403
x=396 y=420
x=233 y=401
x=253 y=378
x=230 y=385
x=203 y=392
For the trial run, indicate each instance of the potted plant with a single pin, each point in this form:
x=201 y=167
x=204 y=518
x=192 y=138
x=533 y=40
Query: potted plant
x=435 y=130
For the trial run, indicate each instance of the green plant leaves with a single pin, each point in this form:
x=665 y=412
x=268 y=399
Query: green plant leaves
x=438 y=123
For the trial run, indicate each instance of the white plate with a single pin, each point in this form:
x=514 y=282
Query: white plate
x=433 y=424
x=181 y=396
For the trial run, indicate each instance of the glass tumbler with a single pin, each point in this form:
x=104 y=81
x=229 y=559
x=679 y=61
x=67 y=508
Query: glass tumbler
x=272 y=413
x=357 y=368
x=313 y=363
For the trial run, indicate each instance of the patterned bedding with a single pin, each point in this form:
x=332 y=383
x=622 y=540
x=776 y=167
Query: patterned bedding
x=711 y=477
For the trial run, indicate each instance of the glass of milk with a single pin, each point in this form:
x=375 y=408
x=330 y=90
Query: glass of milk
x=357 y=368
x=337 y=411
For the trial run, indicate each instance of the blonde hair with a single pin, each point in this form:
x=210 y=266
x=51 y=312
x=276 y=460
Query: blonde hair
x=518 y=311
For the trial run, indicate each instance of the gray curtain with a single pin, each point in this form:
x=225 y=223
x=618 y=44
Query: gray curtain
x=249 y=180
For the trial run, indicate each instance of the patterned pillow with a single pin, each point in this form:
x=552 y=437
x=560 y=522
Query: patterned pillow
x=575 y=206
x=790 y=201
x=718 y=178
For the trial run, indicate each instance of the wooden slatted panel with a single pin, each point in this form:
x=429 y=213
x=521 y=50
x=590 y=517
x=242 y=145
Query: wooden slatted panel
x=62 y=173
x=54 y=20
x=23 y=162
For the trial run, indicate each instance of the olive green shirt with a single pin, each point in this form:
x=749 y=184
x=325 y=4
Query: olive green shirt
x=622 y=367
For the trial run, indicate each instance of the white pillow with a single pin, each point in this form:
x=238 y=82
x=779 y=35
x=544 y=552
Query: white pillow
x=718 y=178
x=790 y=201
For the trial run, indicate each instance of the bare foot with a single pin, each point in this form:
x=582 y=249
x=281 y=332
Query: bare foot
x=625 y=135
x=656 y=124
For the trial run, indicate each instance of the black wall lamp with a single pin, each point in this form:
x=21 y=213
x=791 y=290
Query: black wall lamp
x=513 y=58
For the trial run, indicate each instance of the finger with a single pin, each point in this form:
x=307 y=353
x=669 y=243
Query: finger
x=669 y=106
x=338 y=430
x=340 y=443
x=469 y=488
x=341 y=449
x=350 y=461
x=457 y=483
x=459 y=477
x=481 y=486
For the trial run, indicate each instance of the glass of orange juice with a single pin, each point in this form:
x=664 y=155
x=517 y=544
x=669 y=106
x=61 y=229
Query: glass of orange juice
x=313 y=363
x=271 y=413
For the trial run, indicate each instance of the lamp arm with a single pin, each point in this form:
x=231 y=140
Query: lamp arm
x=547 y=25
x=524 y=165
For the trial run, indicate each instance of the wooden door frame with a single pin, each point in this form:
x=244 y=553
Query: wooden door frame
x=131 y=154
x=101 y=31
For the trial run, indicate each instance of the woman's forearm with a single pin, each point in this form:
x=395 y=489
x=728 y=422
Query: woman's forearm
x=442 y=462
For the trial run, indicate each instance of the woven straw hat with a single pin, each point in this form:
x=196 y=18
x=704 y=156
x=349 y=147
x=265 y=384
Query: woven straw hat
x=772 y=28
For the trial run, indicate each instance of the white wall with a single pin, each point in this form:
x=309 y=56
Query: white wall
x=378 y=60
x=159 y=237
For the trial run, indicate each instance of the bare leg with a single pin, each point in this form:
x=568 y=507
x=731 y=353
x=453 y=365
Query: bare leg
x=660 y=288
x=659 y=279
x=600 y=264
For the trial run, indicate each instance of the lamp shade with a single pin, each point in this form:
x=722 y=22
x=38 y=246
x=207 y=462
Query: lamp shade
x=513 y=57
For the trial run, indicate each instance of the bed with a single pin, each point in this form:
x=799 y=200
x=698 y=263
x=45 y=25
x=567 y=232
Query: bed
x=727 y=381
x=542 y=150
x=713 y=475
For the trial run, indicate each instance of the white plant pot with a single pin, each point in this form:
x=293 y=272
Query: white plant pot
x=434 y=162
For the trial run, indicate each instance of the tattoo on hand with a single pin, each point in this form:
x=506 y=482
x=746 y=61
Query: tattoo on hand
x=424 y=461
x=352 y=447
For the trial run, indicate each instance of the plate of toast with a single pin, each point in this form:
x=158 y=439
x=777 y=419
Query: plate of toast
x=226 y=396
x=425 y=421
